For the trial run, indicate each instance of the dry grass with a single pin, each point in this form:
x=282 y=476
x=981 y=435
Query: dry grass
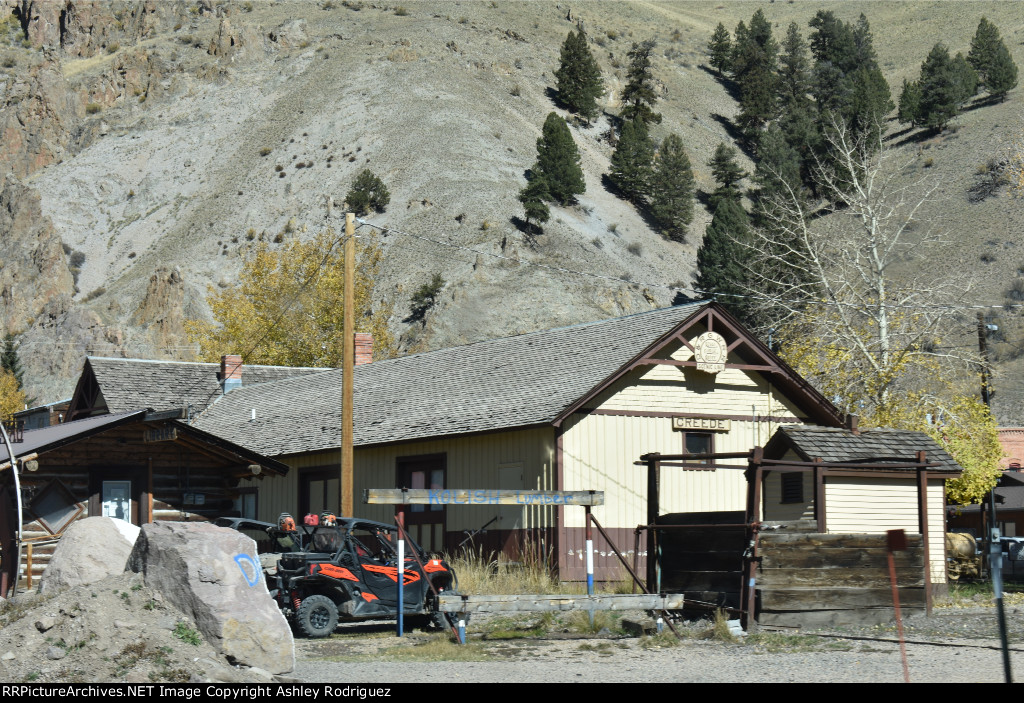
x=484 y=573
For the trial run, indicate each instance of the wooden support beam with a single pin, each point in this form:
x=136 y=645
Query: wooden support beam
x=462 y=496
x=546 y=603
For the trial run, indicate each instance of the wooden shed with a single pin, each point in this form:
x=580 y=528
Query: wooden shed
x=137 y=466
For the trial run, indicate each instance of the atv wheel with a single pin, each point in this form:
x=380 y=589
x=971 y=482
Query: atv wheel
x=317 y=616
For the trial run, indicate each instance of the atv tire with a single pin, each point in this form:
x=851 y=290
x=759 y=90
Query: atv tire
x=317 y=616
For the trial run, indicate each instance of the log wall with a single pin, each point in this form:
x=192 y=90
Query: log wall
x=814 y=579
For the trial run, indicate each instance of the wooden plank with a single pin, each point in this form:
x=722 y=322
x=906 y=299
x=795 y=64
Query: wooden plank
x=821 y=558
x=701 y=580
x=912 y=576
x=542 y=603
x=490 y=496
x=837 y=598
x=817 y=539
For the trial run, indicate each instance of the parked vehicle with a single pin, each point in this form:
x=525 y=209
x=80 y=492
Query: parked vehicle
x=347 y=568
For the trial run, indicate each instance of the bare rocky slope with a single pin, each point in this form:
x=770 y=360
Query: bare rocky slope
x=148 y=145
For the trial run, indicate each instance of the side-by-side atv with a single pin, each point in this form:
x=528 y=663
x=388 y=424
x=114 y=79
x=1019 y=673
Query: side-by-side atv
x=350 y=571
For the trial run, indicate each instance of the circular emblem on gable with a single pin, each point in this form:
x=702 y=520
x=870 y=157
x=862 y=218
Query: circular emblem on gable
x=709 y=351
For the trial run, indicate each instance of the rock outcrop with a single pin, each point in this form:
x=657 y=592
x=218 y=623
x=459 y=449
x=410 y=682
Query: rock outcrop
x=212 y=574
x=90 y=550
x=162 y=312
x=35 y=269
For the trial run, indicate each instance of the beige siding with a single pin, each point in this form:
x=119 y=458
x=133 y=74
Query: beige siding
x=876 y=505
x=774 y=508
x=599 y=451
x=471 y=462
x=680 y=389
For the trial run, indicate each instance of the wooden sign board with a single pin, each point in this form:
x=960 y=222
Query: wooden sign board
x=168 y=433
x=451 y=496
x=702 y=424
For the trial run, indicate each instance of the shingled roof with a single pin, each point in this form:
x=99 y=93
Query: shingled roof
x=520 y=381
x=130 y=384
x=831 y=444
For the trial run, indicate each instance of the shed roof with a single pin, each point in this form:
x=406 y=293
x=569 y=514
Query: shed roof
x=44 y=439
x=128 y=384
x=832 y=444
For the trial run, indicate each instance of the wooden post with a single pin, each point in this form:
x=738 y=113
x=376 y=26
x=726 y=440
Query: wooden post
x=28 y=566
x=922 y=502
x=348 y=356
x=653 y=476
x=819 y=496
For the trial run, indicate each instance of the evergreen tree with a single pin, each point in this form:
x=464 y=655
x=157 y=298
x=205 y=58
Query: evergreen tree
x=671 y=187
x=1002 y=73
x=631 y=161
x=727 y=173
x=941 y=89
x=720 y=50
x=368 y=192
x=910 y=103
x=558 y=161
x=638 y=97
x=9 y=360
x=796 y=110
x=777 y=174
x=754 y=68
x=720 y=270
x=578 y=77
x=870 y=102
x=966 y=78
x=988 y=55
x=532 y=197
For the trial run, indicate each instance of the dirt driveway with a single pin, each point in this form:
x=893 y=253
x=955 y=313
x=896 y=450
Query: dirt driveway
x=955 y=645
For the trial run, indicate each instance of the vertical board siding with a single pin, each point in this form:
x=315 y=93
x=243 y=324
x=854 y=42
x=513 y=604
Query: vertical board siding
x=471 y=462
x=937 y=529
x=599 y=452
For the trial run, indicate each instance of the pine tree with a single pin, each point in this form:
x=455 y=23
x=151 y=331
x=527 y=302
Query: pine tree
x=727 y=173
x=988 y=55
x=720 y=50
x=9 y=360
x=368 y=192
x=631 y=161
x=638 y=97
x=755 y=73
x=1002 y=73
x=720 y=271
x=532 y=197
x=558 y=161
x=941 y=90
x=910 y=103
x=579 y=77
x=672 y=187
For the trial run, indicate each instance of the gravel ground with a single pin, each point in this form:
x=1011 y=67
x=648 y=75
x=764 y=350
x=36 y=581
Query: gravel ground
x=954 y=645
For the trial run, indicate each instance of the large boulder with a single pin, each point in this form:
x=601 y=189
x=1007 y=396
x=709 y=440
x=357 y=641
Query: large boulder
x=90 y=550
x=213 y=575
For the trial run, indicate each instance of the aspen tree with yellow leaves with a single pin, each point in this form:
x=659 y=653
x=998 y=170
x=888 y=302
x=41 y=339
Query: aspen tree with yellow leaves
x=869 y=339
x=12 y=398
x=287 y=306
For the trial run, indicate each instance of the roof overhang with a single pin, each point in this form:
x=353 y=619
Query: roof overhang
x=757 y=358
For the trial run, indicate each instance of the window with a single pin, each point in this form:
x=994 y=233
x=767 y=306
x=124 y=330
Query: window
x=55 y=507
x=793 y=487
x=698 y=443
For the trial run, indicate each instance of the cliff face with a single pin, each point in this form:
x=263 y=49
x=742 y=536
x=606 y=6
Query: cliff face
x=35 y=269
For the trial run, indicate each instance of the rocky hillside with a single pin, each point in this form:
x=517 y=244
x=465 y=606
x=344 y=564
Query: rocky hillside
x=148 y=145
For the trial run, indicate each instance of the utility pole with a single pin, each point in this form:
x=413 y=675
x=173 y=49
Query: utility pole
x=348 y=357
x=995 y=561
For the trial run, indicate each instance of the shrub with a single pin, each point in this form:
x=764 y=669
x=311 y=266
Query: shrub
x=186 y=633
x=367 y=192
x=425 y=297
x=401 y=11
x=265 y=151
x=93 y=108
x=634 y=249
x=112 y=48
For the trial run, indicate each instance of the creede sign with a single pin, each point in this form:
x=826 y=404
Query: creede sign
x=705 y=424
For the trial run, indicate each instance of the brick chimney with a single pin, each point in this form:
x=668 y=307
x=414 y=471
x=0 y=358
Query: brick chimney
x=230 y=372
x=364 y=348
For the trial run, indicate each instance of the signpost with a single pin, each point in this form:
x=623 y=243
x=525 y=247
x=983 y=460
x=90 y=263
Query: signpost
x=485 y=496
